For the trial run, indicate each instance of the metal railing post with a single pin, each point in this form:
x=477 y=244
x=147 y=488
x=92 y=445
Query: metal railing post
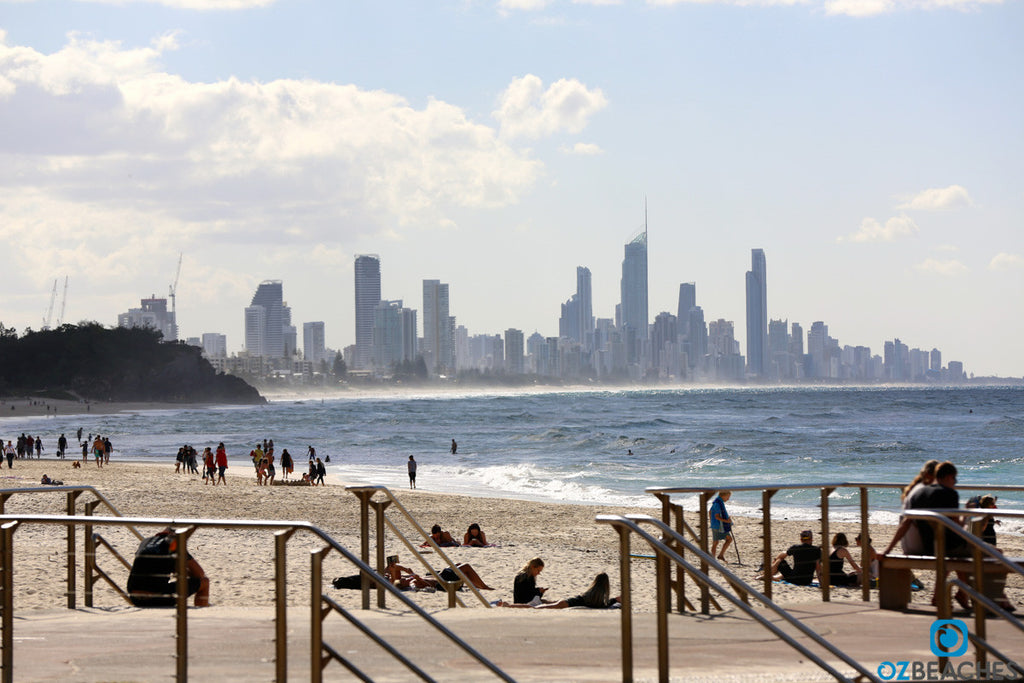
x=379 y=507
x=281 y=604
x=865 y=548
x=705 y=592
x=181 y=615
x=71 y=560
x=7 y=587
x=316 y=625
x=627 y=605
x=89 y=565
x=680 y=584
x=825 y=576
x=364 y=540
x=766 y=540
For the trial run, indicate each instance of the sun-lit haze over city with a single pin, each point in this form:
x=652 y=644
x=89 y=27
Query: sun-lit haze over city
x=873 y=149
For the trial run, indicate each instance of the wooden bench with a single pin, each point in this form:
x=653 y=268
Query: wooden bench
x=895 y=575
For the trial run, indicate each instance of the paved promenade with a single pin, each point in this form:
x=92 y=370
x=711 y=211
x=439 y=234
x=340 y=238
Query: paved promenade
x=235 y=644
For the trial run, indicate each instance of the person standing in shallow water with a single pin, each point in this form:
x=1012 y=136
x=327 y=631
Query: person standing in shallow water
x=412 y=472
x=455 y=447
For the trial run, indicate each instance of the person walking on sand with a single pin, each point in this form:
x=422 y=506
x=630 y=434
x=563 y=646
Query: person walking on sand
x=9 y=451
x=287 y=464
x=221 y=460
x=721 y=524
x=62 y=446
x=321 y=472
x=412 y=472
x=97 y=450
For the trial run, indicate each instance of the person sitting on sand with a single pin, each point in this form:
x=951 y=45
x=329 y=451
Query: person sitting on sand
x=524 y=588
x=404 y=578
x=841 y=554
x=152 y=581
x=443 y=539
x=595 y=597
x=806 y=562
x=474 y=536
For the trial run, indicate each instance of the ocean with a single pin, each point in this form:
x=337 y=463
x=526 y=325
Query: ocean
x=603 y=447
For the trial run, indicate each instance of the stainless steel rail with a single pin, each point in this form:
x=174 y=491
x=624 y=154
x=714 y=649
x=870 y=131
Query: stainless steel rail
x=184 y=528
x=674 y=512
x=366 y=494
x=631 y=524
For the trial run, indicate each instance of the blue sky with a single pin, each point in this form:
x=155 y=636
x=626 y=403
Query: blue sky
x=873 y=148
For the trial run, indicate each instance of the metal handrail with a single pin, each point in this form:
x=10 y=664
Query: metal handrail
x=670 y=510
x=184 y=528
x=72 y=493
x=365 y=493
x=631 y=523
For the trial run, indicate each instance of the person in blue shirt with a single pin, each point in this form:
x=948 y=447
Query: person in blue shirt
x=721 y=524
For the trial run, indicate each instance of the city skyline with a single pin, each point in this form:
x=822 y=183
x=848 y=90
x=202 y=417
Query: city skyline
x=872 y=150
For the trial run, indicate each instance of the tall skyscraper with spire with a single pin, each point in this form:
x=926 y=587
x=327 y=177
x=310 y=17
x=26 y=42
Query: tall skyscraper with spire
x=633 y=289
x=367 y=272
x=757 y=315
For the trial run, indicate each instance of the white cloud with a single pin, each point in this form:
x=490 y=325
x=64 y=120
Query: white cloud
x=525 y=5
x=872 y=231
x=1004 y=261
x=526 y=109
x=939 y=199
x=106 y=159
x=951 y=268
x=583 y=149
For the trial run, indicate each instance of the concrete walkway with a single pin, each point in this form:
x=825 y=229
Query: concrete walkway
x=236 y=644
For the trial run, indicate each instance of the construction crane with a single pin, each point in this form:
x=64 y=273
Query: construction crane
x=63 y=303
x=49 y=311
x=173 y=296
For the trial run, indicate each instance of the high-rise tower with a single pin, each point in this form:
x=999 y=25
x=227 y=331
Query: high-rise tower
x=585 y=311
x=634 y=286
x=367 y=271
x=438 y=328
x=264 y=332
x=757 y=315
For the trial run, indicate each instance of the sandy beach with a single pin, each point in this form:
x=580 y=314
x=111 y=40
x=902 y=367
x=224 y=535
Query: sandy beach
x=240 y=563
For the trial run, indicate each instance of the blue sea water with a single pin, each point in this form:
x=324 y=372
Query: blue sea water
x=574 y=446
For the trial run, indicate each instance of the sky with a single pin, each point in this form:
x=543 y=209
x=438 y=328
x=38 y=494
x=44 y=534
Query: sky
x=874 y=149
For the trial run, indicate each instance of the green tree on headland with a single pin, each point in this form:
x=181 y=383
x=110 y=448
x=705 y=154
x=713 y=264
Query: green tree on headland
x=119 y=364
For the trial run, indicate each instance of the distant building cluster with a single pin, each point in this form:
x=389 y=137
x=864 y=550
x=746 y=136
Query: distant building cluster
x=673 y=348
